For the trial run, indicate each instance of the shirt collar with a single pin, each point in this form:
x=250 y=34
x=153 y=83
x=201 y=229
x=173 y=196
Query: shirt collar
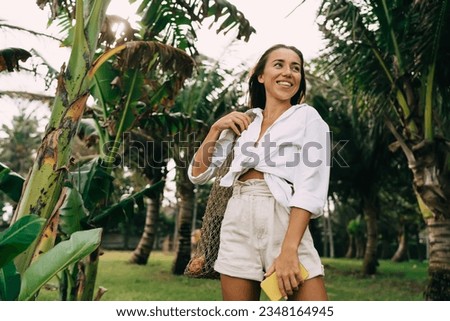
x=259 y=111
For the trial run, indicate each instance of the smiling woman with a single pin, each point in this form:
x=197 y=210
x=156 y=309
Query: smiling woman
x=275 y=193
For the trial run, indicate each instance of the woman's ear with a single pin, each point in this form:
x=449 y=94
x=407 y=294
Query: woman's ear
x=261 y=79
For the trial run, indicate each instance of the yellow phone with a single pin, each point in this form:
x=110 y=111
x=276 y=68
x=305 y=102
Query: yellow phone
x=270 y=284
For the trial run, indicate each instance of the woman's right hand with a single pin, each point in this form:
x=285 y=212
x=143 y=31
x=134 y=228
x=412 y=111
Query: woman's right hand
x=236 y=121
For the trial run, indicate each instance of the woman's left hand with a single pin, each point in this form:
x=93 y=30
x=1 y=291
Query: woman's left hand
x=289 y=277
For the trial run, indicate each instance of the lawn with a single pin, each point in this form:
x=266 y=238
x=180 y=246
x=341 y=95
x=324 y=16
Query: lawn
x=154 y=282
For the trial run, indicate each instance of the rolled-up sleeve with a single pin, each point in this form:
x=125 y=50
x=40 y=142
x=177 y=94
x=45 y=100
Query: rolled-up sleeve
x=312 y=174
x=221 y=150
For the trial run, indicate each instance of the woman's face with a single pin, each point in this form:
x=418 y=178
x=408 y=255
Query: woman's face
x=281 y=76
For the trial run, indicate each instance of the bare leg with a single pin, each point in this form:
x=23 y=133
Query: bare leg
x=311 y=290
x=237 y=289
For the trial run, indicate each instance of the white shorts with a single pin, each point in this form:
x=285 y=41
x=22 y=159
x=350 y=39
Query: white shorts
x=252 y=233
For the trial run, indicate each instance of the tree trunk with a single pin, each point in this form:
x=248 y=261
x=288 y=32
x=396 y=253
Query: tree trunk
x=330 y=236
x=402 y=250
x=145 y=246
x=438 y=288
x=429 y=164
x=154 y=155
x=370 y=257
x=185 y=190
x=325 y=237
x=328 y=244
x=350 y=251
x=359 y=246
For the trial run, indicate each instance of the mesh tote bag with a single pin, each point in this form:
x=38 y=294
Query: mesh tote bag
x=202 y=260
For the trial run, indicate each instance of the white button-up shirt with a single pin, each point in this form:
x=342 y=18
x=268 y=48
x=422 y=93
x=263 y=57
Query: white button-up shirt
x=294 y=155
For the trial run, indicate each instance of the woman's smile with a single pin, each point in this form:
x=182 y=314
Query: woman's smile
x=281 y=76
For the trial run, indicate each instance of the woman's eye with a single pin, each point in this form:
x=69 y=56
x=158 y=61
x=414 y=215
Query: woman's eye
x=296 y=68
x=278 y=64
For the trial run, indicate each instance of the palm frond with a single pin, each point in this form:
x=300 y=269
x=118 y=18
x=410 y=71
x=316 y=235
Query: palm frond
x=383 y=48
x=11 y=27
x=175 y=22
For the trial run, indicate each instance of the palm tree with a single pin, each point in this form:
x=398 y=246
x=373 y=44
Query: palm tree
x=152 y=161
x=396 y=54
x=365 y=155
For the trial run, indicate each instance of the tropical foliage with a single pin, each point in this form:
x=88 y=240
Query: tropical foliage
x=394 y=55
x=153 y=93
x=144 y=76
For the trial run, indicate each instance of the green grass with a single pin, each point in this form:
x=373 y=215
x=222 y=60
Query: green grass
x=404 y=281
x=154 y=281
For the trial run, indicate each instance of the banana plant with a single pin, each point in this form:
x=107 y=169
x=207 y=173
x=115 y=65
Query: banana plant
x=44 y=193
x=43 y=188
x=17 y=238
x=79 y=212
x=21 y=235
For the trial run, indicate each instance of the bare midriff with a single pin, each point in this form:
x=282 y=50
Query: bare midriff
x=251 y=174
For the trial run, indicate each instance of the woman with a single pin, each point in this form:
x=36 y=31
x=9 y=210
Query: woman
x=280 y=175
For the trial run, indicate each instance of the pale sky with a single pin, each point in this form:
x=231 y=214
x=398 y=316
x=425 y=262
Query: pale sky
x=268 y=17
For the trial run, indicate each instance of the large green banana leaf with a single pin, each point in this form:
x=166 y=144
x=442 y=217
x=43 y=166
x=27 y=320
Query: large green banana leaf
x=57 y=259
x=14 y=241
